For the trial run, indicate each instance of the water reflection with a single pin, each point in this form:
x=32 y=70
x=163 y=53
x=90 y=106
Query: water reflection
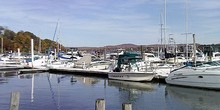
x=128 y=85
x=195 y=99
x=8 y=73
x=87 y=80
x=5 y=74
x=131 y=91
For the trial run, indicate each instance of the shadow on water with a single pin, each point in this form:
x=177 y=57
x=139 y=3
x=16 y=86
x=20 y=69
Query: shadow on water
x=196 y=99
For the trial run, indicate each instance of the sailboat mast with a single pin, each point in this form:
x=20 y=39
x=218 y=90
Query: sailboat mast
x=161 y=29
x=2 y=45
x=165 y=19
x=39 y=48
x=186 y=28
x=194 y=49
x=58 y=37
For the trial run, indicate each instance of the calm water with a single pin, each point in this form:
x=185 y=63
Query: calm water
x=57 y=92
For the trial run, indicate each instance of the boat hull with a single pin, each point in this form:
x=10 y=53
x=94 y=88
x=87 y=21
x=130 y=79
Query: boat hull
x=130 y=76
x=200 y=78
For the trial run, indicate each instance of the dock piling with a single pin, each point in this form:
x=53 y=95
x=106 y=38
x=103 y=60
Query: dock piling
x=15 y=96
x=100 y=104
x=126 y=106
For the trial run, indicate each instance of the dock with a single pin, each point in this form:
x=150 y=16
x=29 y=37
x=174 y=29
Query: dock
x=34 y=70
x=5 y=68
x=78 y=71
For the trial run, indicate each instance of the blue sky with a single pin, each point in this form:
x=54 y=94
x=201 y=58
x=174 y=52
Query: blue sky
x=112 y=22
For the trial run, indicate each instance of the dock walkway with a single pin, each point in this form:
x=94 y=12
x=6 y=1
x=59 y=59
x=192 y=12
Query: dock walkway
x=34 y=70
x=78 y=71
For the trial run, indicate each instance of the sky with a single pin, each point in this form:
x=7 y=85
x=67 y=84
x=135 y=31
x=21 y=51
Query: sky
x=98 y=23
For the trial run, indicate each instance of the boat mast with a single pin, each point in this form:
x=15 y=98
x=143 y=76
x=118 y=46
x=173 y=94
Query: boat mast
x=194 y=49
x=186 y=28
x=2 y=42
x=39 y=48
x=58 y=37
x=2 y=45
x=161 y=29
x=165 y=19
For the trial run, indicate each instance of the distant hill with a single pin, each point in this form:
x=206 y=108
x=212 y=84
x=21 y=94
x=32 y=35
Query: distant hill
x=109 y=47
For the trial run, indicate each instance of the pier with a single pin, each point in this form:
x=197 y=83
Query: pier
x=34 y=70
x=78 y=71
x=10 y=68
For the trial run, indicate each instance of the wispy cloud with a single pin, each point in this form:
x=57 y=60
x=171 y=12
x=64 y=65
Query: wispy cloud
x=108 y=20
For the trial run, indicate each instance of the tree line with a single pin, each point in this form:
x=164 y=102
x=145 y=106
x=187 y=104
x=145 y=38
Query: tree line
x=22 y=40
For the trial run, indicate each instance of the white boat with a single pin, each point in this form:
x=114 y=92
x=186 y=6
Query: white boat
x=131 y=76
x=131 y=67
x=201 y=77
x=100 y=65
x=39 y=62
x=216 y=56
x=163 y=70
x=177 y=59
x=150 y=57
x=69 y=56
x=60 y=64
x=7 y=62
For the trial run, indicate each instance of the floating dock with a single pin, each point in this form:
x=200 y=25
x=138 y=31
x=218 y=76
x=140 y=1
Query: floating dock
x=78 y=71
x=5 y=68
x=34 y=70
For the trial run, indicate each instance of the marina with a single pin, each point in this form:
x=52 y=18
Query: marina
x=110 y=55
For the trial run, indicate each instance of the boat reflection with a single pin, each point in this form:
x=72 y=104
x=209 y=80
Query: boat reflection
x=131 y=91
x=129 y=85
x=87 y=80
x=8 y=73
x=196 y=99
x=5 y=74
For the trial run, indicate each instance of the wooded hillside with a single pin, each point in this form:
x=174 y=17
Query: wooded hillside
x=12 y=41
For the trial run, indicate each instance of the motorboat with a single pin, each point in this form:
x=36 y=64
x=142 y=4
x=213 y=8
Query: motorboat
x=40 y=61
x=216 y=56
x=150 y=57
x=131 y=67
x=204 y=75
x=163 y=70
x=69 y=56
x=60 y=64
x=100 y=65
x=8 y=62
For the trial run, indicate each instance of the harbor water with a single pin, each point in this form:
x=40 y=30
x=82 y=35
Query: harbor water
x=45 y=91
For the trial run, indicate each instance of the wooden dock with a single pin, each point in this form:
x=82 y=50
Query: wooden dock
x=78 y=71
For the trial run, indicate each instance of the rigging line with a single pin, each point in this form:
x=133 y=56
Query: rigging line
x=54 y=34
x=55 y=29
